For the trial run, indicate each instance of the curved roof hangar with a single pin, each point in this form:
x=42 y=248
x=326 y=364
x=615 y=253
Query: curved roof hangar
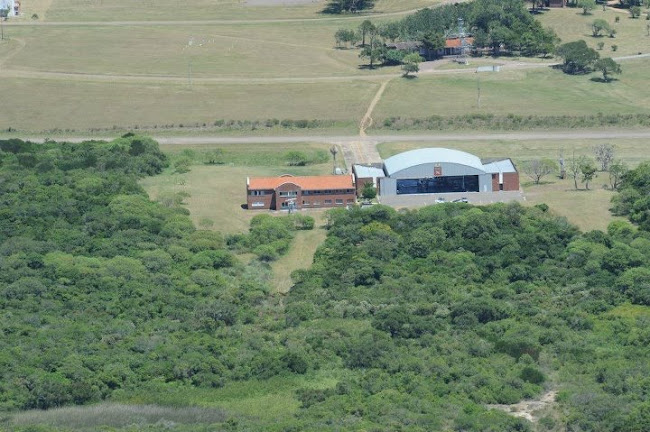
x=413 y=158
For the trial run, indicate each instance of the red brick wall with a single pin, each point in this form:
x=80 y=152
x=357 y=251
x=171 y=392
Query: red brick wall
x=495 y=182
x=273 y=201
x=266 y=199
x=511 y=181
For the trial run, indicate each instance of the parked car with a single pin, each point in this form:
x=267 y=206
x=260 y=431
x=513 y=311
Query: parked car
x=463 y=200
x=440 y=200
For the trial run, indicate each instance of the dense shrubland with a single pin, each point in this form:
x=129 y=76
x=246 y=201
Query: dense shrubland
x=422 y=318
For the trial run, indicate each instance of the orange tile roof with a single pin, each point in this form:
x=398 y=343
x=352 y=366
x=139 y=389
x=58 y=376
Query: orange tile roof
x=455 y=42
x=305 y=183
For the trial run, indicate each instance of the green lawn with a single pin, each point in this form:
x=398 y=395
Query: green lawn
x=570 y=25
x=543 y=92
x=218 y=192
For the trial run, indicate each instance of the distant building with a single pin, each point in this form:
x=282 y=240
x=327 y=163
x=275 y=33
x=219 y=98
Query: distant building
x=556 y=3
x=12 y=5
x=364 y=174
x=440 y=170
x=279 y=193
x=453 y=47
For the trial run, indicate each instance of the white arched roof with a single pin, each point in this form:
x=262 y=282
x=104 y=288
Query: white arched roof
x=412 y=158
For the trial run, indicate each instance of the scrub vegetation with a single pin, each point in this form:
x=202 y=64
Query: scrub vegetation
x=413 y=320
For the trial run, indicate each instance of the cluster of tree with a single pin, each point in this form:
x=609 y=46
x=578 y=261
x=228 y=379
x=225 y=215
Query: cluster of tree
x=633 y=200
x=502 y=27
x=421 y=317
x=435 y=313
x=348 y=6
x=578 y=58
x=103 y=290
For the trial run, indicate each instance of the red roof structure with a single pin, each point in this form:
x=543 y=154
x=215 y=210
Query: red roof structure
x=305 y=183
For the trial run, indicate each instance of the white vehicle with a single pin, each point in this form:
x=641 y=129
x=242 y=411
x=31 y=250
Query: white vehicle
x=440 y=200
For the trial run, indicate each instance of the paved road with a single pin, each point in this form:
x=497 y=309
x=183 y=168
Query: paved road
x=429 y=137
x=358 y=149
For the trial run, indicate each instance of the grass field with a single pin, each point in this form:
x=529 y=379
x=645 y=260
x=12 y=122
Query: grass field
x=301 y=253
x=570 y=25
x=40 y=105
x=98 y=10
x=586 y=209
x=218 y=192
x=525 y=92
x=263 y=50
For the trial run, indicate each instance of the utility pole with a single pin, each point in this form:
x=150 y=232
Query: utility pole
x=478 y=90
x=3 y=16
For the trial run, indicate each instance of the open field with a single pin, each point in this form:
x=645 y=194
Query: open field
x=39 y=105
x=543 y=92
x=301 y=253
x=97 y=10
x=586 y=209
x=570 y=25
x=218 y=192
x=225 y=51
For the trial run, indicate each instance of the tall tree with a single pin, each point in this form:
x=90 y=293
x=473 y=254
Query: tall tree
x=365 y=28
x=588 y=171
x=608 y=67
x=604 y=155
x=578 y=57
x=536 y=169
x=616 y=172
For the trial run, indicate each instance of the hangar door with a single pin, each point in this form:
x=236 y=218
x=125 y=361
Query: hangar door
x=430 y=185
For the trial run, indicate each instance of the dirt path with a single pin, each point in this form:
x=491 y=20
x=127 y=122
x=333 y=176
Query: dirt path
x=366 y=120
x=529 y=409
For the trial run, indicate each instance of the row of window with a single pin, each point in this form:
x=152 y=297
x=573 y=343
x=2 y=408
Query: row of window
x=306 y=192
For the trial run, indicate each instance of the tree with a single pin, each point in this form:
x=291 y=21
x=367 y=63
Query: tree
x=434 y=41
x=536 y=169
x=345 y=37
x=366 y=27
x=599 y=25
x=374 y=50
x=574 y=168
x=390 y=30
x=588 y=171
x=578 y=57
x=604 y=155
x=607 y=66
x=348 y=6
x=411 y=63
x=368 y=191
x=586 y=5
x=616 y=172
x=601 y=45
x=635 y=11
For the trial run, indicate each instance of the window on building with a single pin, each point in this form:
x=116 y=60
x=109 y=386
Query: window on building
x=289 y=193
x=339 y=201
x=258 y=204
x=258 y=193
x=328 y=202
x=305 y=203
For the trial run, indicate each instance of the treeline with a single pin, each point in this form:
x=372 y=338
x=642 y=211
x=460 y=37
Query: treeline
x=437 y=312
x=104 y=291
x=418 y=319
x=513 y=121
x=500 y=27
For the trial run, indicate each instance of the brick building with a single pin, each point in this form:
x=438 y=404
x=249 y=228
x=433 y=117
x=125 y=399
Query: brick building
x=277 y=193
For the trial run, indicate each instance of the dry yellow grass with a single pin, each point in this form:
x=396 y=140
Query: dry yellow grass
x=570 y=25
